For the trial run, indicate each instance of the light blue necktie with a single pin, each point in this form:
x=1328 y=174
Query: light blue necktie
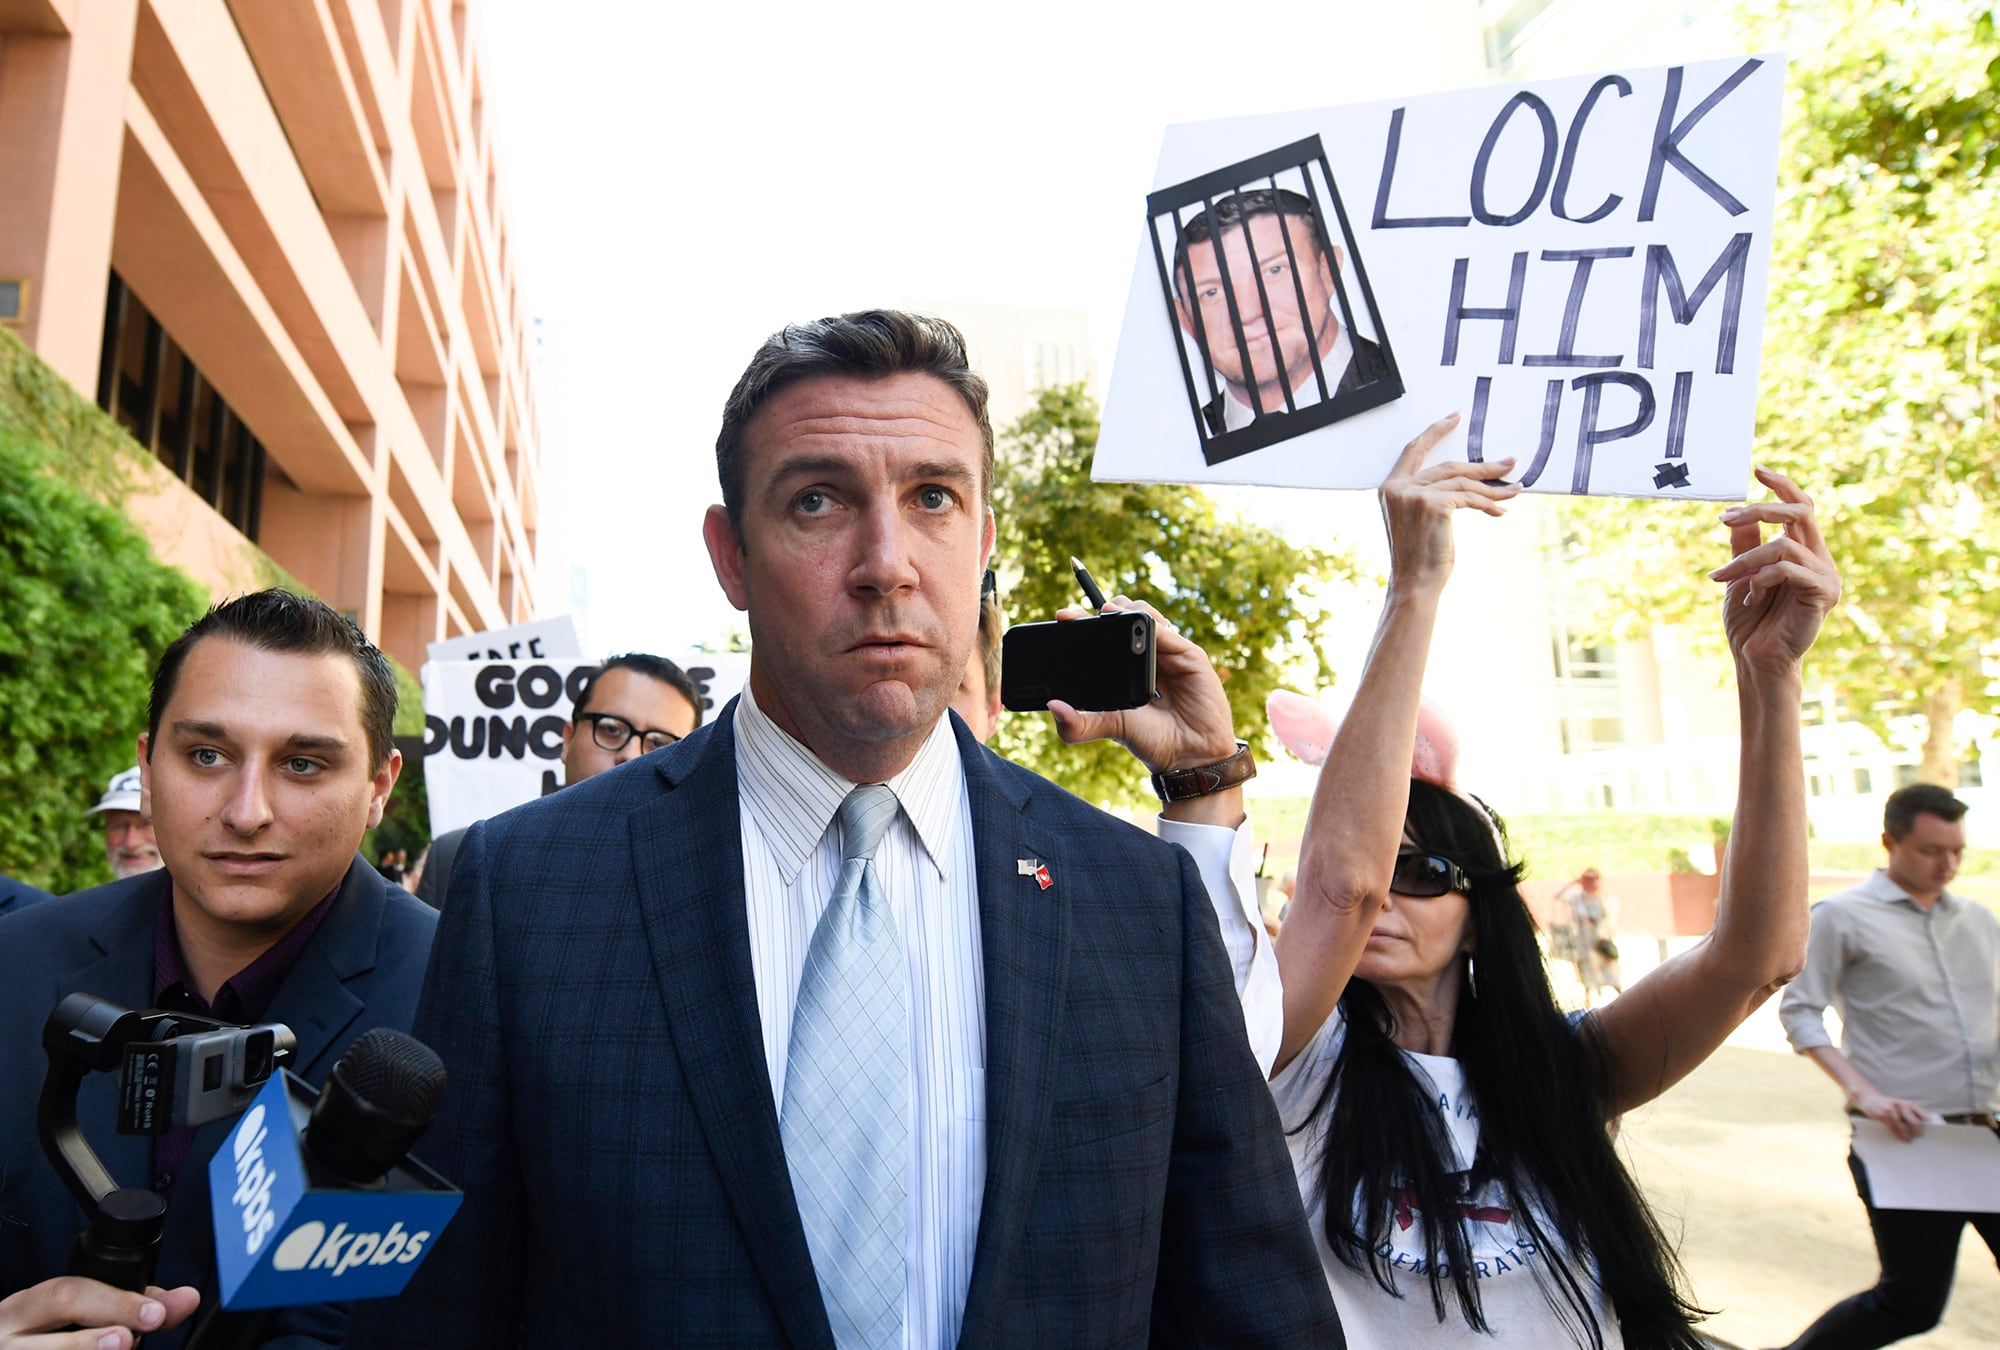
x=846 y=1118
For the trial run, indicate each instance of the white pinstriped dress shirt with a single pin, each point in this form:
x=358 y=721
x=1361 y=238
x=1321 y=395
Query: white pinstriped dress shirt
x=926 y=867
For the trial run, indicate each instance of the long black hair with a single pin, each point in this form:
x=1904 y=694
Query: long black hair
x=1540 y=1084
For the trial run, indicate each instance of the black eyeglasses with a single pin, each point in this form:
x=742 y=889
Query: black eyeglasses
x=614 y=733
x=1424 y=875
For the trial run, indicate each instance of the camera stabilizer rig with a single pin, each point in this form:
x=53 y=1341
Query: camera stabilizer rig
x=175 y=1071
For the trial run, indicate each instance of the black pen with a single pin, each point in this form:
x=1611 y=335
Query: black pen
x=1090 y=591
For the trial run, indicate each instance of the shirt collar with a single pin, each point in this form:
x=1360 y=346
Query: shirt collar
x=245 y=996
x=1236 y=414
x=1880 y=887
x=793 y=796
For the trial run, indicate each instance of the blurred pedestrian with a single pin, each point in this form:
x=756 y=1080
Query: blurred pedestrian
x=1912 y=969
x=1587 y=935
x=129 y=845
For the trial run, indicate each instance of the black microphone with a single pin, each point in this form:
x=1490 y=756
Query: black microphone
x=378 y=1100
x=360 y=1211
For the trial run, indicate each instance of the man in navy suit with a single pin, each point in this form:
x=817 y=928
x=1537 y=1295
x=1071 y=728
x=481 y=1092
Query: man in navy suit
x=1079 y=1148
x=267 y=754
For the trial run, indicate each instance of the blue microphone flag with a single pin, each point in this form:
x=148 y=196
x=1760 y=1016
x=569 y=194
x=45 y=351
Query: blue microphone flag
x=282 y=1241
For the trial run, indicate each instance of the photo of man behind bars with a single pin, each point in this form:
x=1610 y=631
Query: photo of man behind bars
x=1264 y=295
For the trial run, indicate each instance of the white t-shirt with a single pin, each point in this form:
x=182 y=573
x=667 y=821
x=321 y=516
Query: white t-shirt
x=1512 y=1273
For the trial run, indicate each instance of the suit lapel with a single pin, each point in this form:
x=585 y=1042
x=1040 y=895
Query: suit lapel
x=688 y=863
x=314 y=1000
x=1023 y=933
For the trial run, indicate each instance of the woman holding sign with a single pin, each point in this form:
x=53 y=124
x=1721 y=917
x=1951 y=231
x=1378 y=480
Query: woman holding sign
x=1448 y=1123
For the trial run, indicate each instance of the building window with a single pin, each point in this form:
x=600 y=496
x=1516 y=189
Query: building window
x=150 y=387
x=1864 y=782
x=1049 y=365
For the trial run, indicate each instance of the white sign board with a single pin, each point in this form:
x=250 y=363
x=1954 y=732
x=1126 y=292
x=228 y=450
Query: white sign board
x=493 y=730
x=719 y=675
x=493 y=734
x=539 y=640
x=1576 y=266
x=1947 y=1167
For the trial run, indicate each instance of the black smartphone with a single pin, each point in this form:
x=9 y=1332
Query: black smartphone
x=1096 y=664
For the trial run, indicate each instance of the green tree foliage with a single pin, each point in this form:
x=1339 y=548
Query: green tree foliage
x=1243 y=593
x=1881 y=392
x=406 y=820
x=85 y=611
x=86 y=608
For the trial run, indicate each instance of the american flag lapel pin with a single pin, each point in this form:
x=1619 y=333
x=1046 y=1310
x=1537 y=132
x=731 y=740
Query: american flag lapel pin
x=1034 y=867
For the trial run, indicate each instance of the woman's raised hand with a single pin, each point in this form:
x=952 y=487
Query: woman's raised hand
x=1779 y=590
x=1417 y=504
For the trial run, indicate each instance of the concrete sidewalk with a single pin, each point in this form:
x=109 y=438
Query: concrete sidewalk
x=1746 y=1162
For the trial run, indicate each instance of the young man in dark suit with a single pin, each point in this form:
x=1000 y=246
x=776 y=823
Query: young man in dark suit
x=825 y=1026
x=266 y=756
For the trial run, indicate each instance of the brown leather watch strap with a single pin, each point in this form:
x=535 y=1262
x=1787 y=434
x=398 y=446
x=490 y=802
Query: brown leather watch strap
x=1178 y=785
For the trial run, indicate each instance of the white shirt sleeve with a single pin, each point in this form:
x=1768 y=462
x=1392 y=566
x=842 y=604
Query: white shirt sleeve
x=1223 y=857
x=1802 y=1007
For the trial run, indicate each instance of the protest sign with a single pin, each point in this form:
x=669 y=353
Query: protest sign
x=539 y=640
x=1576 y=266
x=719 y=675
x=493 y=730
x=493 y=734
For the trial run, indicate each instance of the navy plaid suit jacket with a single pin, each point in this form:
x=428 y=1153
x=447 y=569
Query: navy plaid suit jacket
x=610 y=1118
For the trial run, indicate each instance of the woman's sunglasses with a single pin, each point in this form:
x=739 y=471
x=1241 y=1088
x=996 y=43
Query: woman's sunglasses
x=1423 y=875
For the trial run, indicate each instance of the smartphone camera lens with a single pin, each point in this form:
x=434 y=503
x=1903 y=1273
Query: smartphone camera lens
x=1138 y=639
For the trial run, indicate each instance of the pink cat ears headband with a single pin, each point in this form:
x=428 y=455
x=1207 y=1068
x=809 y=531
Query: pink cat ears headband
x=1306 y=727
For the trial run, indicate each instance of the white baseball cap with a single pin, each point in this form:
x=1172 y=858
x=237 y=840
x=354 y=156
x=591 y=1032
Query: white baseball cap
x=120 y=794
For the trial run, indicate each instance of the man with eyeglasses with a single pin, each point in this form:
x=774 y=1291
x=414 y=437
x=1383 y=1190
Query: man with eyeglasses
x=635 y=703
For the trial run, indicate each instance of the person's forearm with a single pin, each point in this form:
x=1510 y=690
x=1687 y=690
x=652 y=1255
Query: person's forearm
x=1761 y=914
x=1355 y=823
x=1841 y=1070
x=1356 y=819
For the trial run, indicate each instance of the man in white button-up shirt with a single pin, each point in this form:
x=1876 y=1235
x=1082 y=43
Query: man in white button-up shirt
x=1913 y=970
x=1093 y=1157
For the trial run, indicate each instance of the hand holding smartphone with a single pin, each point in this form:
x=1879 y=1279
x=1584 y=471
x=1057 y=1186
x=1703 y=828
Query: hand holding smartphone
x=1102 y=663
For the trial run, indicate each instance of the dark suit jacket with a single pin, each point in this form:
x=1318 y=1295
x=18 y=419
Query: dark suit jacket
x=18 y=895
x=436 y=880
x=1366 y=366
x=362 y=969
x=610 y=1117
